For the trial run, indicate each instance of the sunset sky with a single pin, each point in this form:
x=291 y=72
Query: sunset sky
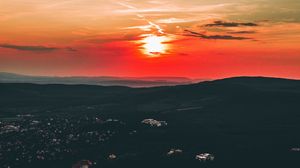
x=190 y=38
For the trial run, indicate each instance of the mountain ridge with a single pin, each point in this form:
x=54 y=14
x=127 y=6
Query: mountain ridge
x=6 y=77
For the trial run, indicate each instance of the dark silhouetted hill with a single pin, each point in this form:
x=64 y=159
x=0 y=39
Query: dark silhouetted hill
x=245 y=121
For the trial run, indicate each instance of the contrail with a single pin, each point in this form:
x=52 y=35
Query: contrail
x=159 y=29
x=126 y=5
x=156 y=26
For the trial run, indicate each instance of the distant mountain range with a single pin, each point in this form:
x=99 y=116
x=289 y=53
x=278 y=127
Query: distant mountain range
x=100 y=80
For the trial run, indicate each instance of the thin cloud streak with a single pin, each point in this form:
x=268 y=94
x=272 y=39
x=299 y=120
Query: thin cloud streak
x=175 y=20
x=28 y=48
x=230 y=24
x=215 y=37
x=243 y=32
x=171 y=9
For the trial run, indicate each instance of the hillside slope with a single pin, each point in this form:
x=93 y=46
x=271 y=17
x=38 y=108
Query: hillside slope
x=244 y=122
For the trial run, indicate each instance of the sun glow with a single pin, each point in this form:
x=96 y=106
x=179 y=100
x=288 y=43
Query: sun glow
x=154 y=45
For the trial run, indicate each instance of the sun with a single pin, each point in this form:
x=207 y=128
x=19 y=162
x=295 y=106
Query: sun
x=154 y=45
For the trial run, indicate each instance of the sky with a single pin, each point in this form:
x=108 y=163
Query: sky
x=138 y=38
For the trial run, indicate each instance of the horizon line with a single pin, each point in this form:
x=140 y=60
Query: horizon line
x=139 y=77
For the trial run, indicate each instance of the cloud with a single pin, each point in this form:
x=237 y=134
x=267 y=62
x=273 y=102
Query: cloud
x=170 y=8
x=108 y=38
x=143 y=27
x=230 y=24
x=175 y=20
x=215 y=37
x=28 y=48
x=242 y=32
x=71 y=49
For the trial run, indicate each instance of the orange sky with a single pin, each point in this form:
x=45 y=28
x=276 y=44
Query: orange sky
x=195 y=38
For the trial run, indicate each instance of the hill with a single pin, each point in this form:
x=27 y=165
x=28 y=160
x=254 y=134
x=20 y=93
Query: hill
x=98 y=80
x=243 y=122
